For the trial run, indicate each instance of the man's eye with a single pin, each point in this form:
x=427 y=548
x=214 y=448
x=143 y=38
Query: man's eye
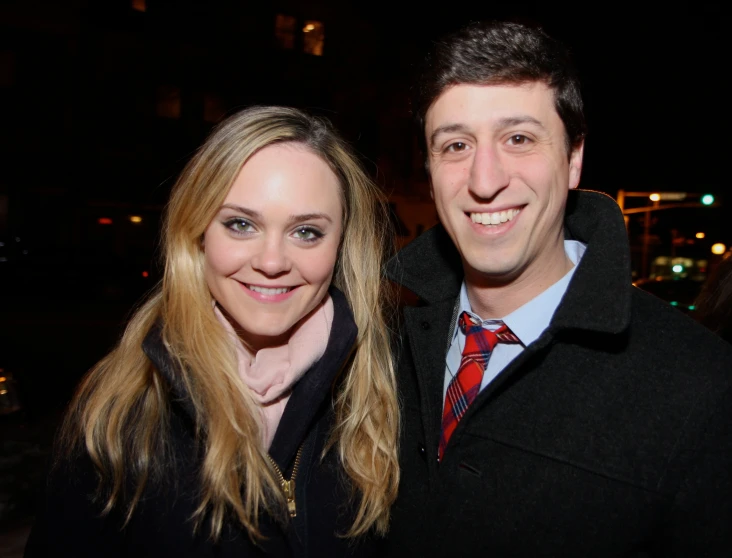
x=456 y=147
x=518 y=139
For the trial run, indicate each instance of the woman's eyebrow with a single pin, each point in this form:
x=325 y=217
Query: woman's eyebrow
x=310 y=217
x=291 y=219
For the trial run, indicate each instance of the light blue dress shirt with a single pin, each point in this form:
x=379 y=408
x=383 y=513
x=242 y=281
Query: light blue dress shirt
x=527 y=322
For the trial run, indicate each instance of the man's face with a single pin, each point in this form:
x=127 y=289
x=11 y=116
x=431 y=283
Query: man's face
x=500 y=176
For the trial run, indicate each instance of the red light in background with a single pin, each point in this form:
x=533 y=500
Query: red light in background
x=104 y=221
x=145 y=274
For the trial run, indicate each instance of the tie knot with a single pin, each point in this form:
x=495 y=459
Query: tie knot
x=470 y=325
x=486 y=339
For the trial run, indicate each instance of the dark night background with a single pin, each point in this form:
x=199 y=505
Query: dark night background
x=102 y=103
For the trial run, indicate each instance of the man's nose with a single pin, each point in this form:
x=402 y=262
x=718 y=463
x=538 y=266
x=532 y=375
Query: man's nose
x=488 y=174
x=272 y=257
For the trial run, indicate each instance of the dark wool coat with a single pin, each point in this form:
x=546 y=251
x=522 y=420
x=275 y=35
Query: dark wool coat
x=609 y=436
x=68 y=524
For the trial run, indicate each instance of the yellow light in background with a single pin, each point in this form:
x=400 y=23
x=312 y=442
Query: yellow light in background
x=700 y=235
x=135 y=219
x=655 y=197
x=2 y=378
x=313 y=37
x=718 y=248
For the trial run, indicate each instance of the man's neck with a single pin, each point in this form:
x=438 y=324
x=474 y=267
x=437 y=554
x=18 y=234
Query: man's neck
x=494 y=299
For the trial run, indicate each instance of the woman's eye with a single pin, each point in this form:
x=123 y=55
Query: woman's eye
x=238 y=225
x=307 y=233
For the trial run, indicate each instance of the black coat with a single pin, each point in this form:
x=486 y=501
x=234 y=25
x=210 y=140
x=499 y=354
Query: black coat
x=609 y=436
x=68 y=523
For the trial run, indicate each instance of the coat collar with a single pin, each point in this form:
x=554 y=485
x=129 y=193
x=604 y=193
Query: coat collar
x=317 y=385
x=308 y=394
x=598 y=297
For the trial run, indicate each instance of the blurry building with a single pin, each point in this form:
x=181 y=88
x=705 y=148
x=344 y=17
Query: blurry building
x=104 y=102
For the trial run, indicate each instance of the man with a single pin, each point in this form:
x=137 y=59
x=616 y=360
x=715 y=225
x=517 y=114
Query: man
x=601 y=424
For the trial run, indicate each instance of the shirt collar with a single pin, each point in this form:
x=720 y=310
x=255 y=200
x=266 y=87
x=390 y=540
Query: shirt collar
x=530 y=320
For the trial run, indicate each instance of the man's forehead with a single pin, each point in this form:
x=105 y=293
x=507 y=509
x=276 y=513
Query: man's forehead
x=462 y=104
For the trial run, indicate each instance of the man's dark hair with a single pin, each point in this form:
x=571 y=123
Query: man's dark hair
x=501 y=53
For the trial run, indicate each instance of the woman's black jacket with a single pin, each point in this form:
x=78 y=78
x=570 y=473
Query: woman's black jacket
x=69 y=520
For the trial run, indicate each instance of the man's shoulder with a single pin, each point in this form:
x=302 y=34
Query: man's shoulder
x=429 y=266
x=669 y=335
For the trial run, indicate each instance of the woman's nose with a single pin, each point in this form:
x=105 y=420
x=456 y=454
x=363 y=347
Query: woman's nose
x=272 y=258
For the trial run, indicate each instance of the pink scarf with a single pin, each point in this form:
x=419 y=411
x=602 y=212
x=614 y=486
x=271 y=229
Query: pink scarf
x=271 y=372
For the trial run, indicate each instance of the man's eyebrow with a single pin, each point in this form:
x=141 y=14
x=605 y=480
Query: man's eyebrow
x=516 y=120
x=291 y=219
x=499 y=125
x=446 y=129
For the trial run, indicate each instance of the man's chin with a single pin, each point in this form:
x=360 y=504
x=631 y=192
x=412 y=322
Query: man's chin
x=491 y=276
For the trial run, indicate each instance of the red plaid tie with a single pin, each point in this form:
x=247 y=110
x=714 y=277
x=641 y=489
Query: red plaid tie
x=464 y=387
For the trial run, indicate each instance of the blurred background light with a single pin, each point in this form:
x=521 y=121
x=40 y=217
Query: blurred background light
x=718 y=248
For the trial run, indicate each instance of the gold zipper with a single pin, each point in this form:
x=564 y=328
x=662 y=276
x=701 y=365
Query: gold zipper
x=288 y=486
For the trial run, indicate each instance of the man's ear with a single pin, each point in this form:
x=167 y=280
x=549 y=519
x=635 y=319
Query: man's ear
x=575 y=165
x=429 y=175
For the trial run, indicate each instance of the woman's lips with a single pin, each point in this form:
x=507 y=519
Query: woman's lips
x=268 y=290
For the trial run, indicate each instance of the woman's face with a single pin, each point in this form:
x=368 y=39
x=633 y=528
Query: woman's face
x=271 y=249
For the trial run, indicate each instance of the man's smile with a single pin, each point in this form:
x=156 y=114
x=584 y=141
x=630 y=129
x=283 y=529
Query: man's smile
x=494 y=218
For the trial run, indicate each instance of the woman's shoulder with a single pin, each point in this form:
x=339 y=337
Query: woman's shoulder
x=70 y=518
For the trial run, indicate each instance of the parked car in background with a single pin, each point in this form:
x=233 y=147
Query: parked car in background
x=680 y=292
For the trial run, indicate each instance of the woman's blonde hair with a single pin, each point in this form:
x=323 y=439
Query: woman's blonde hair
x=120 y=412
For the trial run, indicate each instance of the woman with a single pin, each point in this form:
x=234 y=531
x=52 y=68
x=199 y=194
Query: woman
x=249 y=408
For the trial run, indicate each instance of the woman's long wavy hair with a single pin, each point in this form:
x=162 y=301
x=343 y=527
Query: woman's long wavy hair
x=120 y=413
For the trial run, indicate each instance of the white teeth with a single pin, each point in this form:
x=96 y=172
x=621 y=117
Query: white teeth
x=267 y=291
x=495 y=218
